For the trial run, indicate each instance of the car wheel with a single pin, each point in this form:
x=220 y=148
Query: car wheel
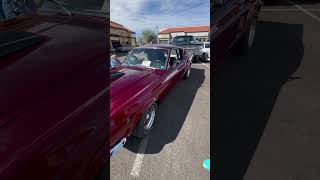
x=204 y=57
x=194 y=59
x=146 y=122
x=187 y=73
x=247 y=40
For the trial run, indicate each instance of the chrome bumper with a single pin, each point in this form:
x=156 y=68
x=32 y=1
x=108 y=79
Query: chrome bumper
x=118 y=146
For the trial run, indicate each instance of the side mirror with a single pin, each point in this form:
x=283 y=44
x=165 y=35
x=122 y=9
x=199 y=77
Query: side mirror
x=171 y=61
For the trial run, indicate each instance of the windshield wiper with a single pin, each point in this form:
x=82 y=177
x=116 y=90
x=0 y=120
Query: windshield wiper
x=146 y=66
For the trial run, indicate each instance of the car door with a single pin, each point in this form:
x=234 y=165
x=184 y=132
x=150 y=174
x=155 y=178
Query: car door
x=226 y=18
x=177 y=67
x=182 y=68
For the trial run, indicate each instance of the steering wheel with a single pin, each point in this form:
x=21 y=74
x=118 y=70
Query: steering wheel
x=133 y=59
x=157 y=63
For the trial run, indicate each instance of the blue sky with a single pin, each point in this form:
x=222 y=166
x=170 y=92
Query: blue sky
x=147 y=14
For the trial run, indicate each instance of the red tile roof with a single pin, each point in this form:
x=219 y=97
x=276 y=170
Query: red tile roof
x=188 y=29
x=119 y=26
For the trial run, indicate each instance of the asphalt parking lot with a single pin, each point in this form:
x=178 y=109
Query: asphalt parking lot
x=266 y=106
x=180 y=140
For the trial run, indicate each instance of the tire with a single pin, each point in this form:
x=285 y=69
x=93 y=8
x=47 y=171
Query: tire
x=204 y=57
x=195 y=59
x=146 y=122
x=246 y=41
x=187 y=74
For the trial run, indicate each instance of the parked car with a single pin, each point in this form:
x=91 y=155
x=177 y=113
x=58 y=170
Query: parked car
x=191 y=44
x=53 y=122
x=206 y=51
x=138 y=85
x=234 y=26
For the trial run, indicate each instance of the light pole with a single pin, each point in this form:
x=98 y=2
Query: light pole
x=157 y=29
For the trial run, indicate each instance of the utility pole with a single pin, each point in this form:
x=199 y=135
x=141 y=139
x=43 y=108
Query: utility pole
x=157 y=30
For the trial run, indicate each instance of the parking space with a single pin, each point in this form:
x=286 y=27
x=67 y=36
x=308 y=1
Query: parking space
x=180 y=140
x=267 y=105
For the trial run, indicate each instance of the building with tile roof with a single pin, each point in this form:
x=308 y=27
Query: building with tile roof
x=121 y=35
x=200 y=32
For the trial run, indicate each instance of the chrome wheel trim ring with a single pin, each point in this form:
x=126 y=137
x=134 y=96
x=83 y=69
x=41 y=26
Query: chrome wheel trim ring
x=252 y=33
x=149 y=119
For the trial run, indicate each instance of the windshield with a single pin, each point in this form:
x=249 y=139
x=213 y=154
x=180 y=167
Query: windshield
x=183 y=39
x=74 y=6
x=207 y=45
x=147 y=57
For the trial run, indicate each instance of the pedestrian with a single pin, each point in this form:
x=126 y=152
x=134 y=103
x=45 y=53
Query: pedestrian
x=114 y=61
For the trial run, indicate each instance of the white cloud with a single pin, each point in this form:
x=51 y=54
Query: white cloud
x=170 y=13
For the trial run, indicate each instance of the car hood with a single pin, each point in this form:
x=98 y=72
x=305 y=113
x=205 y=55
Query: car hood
x=45 y=74
x=126 y=82
x=38 y=52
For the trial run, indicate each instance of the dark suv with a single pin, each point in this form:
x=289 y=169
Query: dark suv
x=233 y=26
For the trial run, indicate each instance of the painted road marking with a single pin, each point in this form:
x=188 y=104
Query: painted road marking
x=203 y=64
x=206 y=65
x=139 y=157
x=305 y=11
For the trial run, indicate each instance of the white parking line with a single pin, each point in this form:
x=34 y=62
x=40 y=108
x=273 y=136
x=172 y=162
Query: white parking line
x=201 y=64
x=206 y=65
x=139 y=157
x=305 y=11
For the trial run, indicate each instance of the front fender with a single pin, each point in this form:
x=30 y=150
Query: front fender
x=139 y=114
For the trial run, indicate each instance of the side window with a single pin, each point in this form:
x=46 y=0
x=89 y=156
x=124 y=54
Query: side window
x=178 y=54
x=181 y=54
x=175 y=55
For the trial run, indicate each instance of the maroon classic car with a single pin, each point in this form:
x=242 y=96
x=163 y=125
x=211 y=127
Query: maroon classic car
x=53 y=92
x=138 y=85
x=233 y=25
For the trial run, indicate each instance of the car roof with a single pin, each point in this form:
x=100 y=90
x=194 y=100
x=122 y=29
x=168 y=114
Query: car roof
x=165 y=46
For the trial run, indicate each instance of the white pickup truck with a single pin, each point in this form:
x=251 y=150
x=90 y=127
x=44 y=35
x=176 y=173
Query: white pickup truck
x=206 y=51
x=191 y=44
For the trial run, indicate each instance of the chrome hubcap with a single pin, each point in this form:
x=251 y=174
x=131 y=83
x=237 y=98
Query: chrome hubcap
x=149 y=117
x=252 y=33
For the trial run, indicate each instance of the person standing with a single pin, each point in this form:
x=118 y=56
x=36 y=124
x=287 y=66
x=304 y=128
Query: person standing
x=114 y=61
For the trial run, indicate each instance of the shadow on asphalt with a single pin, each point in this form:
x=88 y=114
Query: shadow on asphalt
x=244 y=93
x=286 y=3
x=172 y=113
